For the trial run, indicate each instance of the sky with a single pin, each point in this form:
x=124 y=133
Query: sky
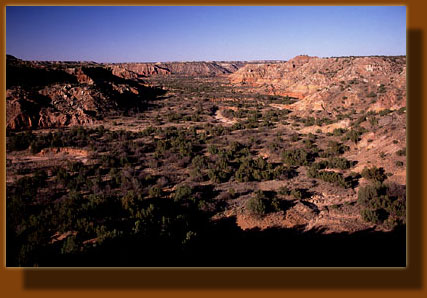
x=209 y=33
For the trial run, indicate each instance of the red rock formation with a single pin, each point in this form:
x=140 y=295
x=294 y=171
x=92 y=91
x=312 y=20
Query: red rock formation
x=364 y=82
x=132 y=70
x=82 y=78
x=66 y=94
x=16 y=117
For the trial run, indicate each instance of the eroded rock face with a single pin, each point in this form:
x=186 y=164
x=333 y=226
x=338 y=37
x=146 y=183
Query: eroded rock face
x=68 y=94
x=134 y=70
x=15 y=109
x=81 y=77
x=372 y=83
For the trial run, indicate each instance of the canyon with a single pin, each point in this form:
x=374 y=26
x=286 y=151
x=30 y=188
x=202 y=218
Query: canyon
x=178 y=160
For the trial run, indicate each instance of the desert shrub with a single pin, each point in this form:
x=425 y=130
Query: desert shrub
x=309 y=121
x=161 y=147
x=256 y=205
x=401 y=152
x=228 y=113
x=323 y=121
x=353 y=135
x=399 y=163
x=70 y=245
x=384 y=112
x=308 y=143
x=381 y=89
x=401 y=110
x=212 y=149
x=199 y=161
x=284 y=190
x=374 y=216
x=296 y=157
x=329 y=176
x=375 y=174
x=398 y=208
x=295 y=138
x=271 y=115
x=174 y=117
x=372 y=94
x=154 y=191
x=334 y=149
x=197 y=175
x=259 y=170
x=373 y=121
x=319 y=165
x=182 y=192
x=380 y=202
x=220 y=170
x=340 y=163
x=148 y=131
x=369 y=192
x=339 y=131
x=129 y=201
x=333 y=177
x=237 y=126
x=218 y=175
x=296 y=193
x=311 y=136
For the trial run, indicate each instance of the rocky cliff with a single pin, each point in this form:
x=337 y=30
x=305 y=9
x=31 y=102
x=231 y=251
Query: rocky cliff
x=130 y=70
x=372 y=83
x=47 y=95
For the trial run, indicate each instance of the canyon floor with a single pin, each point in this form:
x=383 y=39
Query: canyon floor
x=122 y=165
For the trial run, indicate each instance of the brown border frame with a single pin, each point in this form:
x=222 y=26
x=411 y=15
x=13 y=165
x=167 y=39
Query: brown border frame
x=300 y=282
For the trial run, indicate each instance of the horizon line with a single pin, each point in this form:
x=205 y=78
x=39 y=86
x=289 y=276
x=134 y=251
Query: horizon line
x=198 y=61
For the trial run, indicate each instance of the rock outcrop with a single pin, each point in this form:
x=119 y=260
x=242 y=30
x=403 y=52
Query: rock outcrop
x=52 y=94
x=326 y=83
x=130 y=70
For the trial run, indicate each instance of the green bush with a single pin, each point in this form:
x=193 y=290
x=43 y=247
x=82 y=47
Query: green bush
x=296 y=193
x=296 y=157
x=70 y=245
x=339 y=131
x=182 y=192
x=375 y=174
x=374 y=216
x=199 y=161
x=401 y=152
x=284 y=190
x=213 y=149
x=369 y=192
x=334 y=149
x=154 y=192
x=329 y=176
x=401 y=110
x=353 y=135
x=256 y=205
x=384 y=112
x=380 y=202
x=339 y=163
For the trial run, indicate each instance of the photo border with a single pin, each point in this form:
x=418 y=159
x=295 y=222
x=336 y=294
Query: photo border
x=49 y=282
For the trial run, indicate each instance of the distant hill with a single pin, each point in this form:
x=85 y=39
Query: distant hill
x=371 y=83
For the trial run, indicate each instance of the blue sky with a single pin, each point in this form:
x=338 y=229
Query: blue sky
x=130 y=34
